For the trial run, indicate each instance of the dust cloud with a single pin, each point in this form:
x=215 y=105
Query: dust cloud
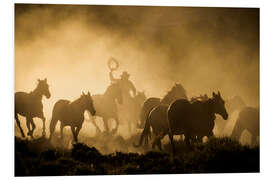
x=204 y=49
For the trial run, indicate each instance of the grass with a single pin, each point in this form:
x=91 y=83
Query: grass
x=40 y=157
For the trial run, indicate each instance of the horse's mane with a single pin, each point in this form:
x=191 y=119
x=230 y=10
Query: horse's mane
x=200 y=98
x=35 y=93
x=76 y=101
x=176 y=91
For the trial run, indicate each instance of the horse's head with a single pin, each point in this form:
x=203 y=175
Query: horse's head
x=219 y=105
x=178 y=91
x=87 y=101
x=115 y=92
x=43 y=87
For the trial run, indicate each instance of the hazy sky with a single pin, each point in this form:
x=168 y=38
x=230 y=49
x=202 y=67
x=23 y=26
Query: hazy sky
x=205 y=49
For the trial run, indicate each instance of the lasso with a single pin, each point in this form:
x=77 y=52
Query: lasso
x=113 y=64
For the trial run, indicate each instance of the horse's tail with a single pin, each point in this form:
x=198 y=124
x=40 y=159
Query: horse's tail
x=142 y=118
x=145 y=134
x=53 y=122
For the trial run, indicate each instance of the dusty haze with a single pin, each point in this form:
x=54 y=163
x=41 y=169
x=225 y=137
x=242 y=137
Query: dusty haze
x=204 y=49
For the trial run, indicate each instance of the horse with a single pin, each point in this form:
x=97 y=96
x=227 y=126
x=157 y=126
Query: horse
x=194 y=119
x=234 y=104
x=106 y=106
x=71 y=114
x=177 y=92
x=155 y=106
x=30 y=106
x=135 y=108
x=248 y=119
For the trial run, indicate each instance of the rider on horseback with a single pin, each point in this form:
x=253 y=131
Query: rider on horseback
x=125 y=83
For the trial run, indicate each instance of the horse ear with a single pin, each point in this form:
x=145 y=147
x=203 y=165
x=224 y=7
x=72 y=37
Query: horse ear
x=214 y=94
x=218 y=93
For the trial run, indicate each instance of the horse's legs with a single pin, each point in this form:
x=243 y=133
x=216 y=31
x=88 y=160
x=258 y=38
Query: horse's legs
x=77 y=132
x=161 y=136
x=159 y=144
x=19 y=124
x=172 y=143
x=199 y=139
x=105 y=121
x=33 y=127
x=95 y=124
x=73 y=132
x=181 y=138
x=61 y=130
x=157 y=140
x=154 y=141
x=116 y=127
x=129 y=126
x=28 y=125
x=43 y=127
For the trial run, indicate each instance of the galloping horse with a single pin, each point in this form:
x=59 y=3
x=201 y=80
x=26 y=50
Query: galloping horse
x=30 y=106
x=71 y=114
x=106 y=106
x=248 y=119
x=177 y=92
x=158 y=109
x=194 y=119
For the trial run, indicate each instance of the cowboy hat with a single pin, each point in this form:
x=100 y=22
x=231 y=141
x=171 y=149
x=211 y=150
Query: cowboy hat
x=124 y=74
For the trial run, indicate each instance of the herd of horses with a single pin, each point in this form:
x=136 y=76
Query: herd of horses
x=171 y=115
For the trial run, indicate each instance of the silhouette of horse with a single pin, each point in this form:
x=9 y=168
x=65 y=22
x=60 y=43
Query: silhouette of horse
x=177 y=92
x=194 y=119
x=154 y=108
x=30 y=106
x=71 y=114
x=134 y=112
x=157 y=119
x=234 y=104
x=248 y=119
x=106 y=106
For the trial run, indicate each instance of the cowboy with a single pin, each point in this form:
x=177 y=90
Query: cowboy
x=125 y=83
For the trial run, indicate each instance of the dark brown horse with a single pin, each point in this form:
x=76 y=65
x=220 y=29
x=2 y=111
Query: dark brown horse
x=71 y=114
x=248 y=119
x=106 y=107
x=194 y=119
x=30 y=106
x=156 y=109
x=177 y=92
x=157 y=119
